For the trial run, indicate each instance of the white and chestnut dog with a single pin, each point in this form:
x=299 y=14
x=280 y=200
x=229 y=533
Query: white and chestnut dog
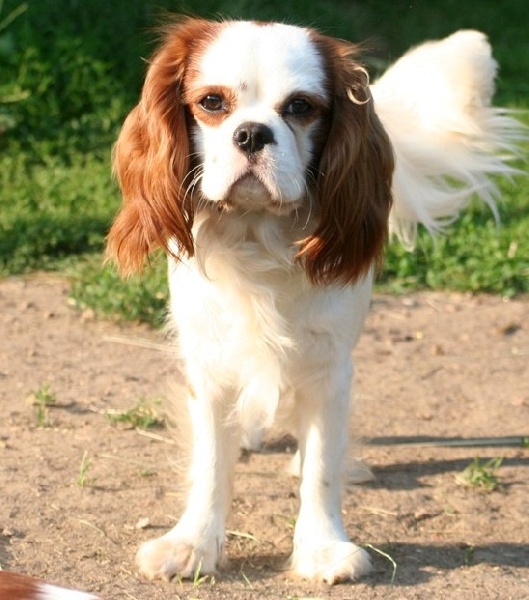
x=270 y=171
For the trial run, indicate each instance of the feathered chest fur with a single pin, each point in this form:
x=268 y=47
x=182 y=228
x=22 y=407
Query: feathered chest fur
x=245 y=310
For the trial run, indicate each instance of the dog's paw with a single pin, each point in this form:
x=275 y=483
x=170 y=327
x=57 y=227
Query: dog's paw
x=166 y=557
x=331 y=562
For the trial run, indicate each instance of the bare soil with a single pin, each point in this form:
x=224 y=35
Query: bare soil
x=430 y=367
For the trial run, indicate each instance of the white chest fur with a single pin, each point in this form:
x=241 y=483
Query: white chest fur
x=247 y=316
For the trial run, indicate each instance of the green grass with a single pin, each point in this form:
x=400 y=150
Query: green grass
x=476 y=254
x=98 y=286
x=68 y=81
x=51 y=211
x=83 y=479
x=481 y=475
x=146 y=414
x=42 y=399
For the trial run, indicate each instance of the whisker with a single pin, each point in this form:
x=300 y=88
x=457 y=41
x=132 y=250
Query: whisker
x=196 y=174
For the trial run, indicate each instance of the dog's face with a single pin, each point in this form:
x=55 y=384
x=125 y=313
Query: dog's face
x=262 y=118
x=259 y=98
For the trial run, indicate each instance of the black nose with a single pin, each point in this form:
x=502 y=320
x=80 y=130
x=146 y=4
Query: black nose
x=253 y=137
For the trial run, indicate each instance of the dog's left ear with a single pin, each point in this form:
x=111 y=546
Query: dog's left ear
x=353 y=192
x=151 y=158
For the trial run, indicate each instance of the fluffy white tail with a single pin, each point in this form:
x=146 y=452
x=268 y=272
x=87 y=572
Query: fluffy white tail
x=435 y=103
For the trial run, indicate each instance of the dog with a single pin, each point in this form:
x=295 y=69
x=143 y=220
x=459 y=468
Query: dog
x=270 y=171
x=17 y=586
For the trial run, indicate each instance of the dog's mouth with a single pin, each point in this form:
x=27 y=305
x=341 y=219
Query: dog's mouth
x=250 y=193
x=249 y=190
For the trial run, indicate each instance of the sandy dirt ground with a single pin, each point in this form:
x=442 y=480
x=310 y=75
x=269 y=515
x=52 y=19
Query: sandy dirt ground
x=79 y=494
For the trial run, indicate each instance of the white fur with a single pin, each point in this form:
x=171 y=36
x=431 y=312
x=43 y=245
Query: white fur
x=448 y=140
x=279 y=50
x=52 y=592
x=251 y=328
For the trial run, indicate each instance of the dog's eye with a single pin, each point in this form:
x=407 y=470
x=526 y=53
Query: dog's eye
x=297 y=107
x=213 y=103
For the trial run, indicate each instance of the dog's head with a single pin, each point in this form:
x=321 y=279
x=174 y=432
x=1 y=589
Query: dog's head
x=255 y=117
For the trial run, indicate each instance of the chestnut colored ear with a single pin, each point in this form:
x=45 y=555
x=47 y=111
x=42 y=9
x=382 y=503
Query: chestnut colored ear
x=353 y=191
x=151 y=158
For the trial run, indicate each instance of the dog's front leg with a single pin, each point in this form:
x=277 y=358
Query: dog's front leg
x=195 y=544
x=322 y=549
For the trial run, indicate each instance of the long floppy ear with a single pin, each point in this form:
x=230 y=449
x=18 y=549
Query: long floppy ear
x=151 y=158
x=353 y=188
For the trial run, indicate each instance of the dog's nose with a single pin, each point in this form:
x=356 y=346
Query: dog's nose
x=253 y=137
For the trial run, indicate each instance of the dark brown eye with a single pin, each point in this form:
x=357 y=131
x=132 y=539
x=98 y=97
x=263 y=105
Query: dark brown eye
x=297 y=107
x=213 y=103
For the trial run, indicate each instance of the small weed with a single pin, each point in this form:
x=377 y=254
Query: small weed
x=83 y=480
x=199 y=579
x=450 y=511
x=246 y=580
x=145 y=415
x=288 y=521
x=147 y=473
x=481 y=475
x=469 y=556
x=388 y=558
x=43 y=398
x=243 y=535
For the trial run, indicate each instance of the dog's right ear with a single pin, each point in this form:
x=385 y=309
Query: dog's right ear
x=354 y=176
x=151 y=158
